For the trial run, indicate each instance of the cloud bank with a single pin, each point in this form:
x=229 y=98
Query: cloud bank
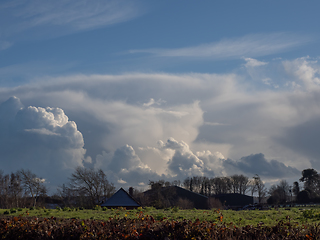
x=139 y=127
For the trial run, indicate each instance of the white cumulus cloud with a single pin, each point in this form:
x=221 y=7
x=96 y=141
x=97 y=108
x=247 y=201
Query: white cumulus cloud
x=208 y=118
x=306 y=72
x=41 y=139
x=251 y=62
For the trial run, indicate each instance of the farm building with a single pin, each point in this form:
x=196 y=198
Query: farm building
x=234 y=200
x=120 y=199
x=173 y=196
x=162 y=197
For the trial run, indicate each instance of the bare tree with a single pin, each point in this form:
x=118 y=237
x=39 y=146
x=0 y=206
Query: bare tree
x=158 y=184
x=279 y=193
x=186 y=183
x=239 y=183
x=198 y=184
x=176 y=183
x=11 y=192
x=284 y=190
x=15 y=189
x=32 y=184
x=4 y=190
x=221 y=185
x=259 y=187
x=91 y=183
x=244 y=184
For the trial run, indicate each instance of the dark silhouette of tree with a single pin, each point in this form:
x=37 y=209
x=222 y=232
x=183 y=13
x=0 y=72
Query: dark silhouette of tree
x=221 y=185
x=296 y=189
x=162 y=194
x=303 y=197
x=258 y=187
x=11 y=191
x=239 y=183
x=217 y=185
x=32 y=185
x=91 y=183
x=311 y=180
x=157 y=184
x=279 y=193
x=15 y=189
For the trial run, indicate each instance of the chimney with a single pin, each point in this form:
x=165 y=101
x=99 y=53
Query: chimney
x=131 y=191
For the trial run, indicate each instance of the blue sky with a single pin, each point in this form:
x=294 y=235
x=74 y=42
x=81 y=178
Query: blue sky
x=164 y=89
x=68 y=38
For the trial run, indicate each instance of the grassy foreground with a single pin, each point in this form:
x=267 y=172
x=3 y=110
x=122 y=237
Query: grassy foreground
x=294 y=215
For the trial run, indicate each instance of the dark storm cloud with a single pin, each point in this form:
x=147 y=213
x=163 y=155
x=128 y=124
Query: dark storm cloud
x=257 y=164
x=304 y=139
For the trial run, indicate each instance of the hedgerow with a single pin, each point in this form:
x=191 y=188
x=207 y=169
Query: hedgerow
x=146 y=227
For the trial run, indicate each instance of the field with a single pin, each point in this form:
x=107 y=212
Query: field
x=302 y=215
x=173 y=223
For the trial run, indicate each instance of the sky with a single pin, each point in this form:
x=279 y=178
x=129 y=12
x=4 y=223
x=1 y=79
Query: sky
x=149 y=90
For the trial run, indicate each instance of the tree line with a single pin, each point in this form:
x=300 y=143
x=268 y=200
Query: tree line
x=20 y=189
x=279 y=193
x=87 y=188
x=218 y=185
x=283 y=192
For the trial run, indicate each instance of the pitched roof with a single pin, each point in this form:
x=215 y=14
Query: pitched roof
x=234 y=199
x=120 y=199
x=199 y=201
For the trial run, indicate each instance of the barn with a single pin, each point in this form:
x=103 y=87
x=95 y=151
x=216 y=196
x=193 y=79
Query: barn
x=121 y=199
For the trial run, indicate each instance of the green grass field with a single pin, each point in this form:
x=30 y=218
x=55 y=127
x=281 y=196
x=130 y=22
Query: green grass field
x=302 y=215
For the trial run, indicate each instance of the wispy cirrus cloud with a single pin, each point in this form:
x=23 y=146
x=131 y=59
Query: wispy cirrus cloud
x=4 y=45
x=19 y=16
x=247 y=46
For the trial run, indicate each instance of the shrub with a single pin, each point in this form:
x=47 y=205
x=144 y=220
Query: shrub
x=147 y=209
x=97 y=207
x=159 y=216
x=67 y=209
x=13 y=210
x=148 y=228
x=175 y=209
